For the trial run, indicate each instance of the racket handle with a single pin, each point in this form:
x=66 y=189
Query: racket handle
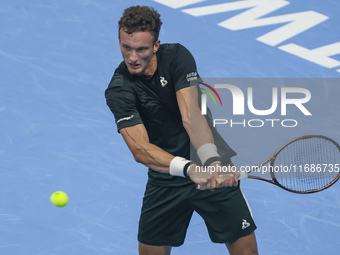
x=243 y=175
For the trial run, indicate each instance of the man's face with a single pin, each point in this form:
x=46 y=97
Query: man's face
x=139 y=52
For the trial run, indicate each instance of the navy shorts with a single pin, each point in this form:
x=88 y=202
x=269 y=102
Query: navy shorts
x=167 y=211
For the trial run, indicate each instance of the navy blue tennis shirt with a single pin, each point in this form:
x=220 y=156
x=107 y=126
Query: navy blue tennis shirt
x=134 y=100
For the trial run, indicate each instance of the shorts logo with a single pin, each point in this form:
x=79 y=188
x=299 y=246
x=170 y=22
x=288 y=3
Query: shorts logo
x=245 y=224
x=125 y=118
x=163 y=81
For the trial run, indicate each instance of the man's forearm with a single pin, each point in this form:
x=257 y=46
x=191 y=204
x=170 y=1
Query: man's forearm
x=154 y=157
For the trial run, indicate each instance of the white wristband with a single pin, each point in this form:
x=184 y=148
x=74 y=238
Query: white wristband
x=207 y=151
x=177 y=165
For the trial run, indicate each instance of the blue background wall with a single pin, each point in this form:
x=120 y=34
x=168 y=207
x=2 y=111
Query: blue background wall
x=57 y=58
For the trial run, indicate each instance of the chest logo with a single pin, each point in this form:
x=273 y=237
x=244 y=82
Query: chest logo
x=163 y=81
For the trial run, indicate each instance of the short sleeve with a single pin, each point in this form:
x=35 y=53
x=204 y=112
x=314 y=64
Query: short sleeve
x=121 y=99
x=185 y=70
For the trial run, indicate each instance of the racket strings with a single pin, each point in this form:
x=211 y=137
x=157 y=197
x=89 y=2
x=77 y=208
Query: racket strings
x=307 y=164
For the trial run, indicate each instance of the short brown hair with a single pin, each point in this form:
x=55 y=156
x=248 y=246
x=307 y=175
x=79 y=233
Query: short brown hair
x=139 y=19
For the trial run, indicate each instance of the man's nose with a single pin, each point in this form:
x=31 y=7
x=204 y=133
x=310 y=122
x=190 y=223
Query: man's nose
x=133 y=56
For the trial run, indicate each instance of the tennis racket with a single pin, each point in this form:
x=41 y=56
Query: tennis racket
x=304 y=165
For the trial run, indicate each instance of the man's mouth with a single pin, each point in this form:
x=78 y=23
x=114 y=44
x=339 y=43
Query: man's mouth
x=134 y=66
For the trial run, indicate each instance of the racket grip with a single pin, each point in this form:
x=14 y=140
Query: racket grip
x=243 y=175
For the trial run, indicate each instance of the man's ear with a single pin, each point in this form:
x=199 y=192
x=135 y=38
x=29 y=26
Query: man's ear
x=156 y=46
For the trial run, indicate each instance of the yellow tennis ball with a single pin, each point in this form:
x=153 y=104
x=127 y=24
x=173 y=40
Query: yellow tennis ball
x=59 y=198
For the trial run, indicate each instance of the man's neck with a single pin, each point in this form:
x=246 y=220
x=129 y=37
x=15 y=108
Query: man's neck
x=149 y=72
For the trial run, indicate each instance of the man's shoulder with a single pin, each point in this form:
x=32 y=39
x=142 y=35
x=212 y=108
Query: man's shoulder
x=170 y=55
x=171 y=48
x=121 y=76
x=122 y=70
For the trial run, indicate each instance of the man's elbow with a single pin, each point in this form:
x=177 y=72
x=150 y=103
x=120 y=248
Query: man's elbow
x=186 y=123
x=138 y=156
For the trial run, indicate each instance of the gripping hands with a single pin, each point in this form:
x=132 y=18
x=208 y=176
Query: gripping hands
x=213 y=176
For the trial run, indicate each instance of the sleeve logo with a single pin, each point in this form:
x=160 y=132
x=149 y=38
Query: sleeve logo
x=125 y=118
x=192 y=76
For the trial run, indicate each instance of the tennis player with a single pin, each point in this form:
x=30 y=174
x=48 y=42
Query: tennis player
x=154 y=97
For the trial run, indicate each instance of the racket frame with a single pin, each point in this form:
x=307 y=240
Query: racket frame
x=271 y=159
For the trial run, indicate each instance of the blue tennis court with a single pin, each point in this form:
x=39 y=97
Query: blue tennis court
x=57 y=58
